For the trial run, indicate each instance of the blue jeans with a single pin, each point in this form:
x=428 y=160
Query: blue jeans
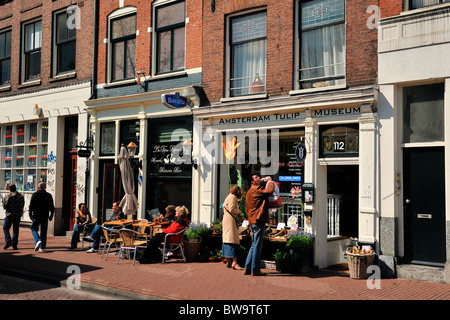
x=96 y=235
x=43 y=223
x=15 y=222
x=253 y=262
x=76 y=234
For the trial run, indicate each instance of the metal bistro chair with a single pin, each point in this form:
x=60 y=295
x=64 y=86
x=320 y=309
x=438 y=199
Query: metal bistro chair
x=111 y=237
x=130 y=243
x=172 y=246
x=86 y=228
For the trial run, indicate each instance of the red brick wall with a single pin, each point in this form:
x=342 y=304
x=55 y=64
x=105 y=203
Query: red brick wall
x=13 y=14
x=144 y=39
x=361 y=47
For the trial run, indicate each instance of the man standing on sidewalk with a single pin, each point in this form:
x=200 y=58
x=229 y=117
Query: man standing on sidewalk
x=13 y=204
x=41 y=204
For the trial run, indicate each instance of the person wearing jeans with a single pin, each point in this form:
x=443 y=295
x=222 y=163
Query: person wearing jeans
x=257 y=207
x=13 y=204
x=41 y=204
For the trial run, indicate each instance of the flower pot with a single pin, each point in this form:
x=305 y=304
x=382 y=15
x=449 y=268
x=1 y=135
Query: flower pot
x=192 y=248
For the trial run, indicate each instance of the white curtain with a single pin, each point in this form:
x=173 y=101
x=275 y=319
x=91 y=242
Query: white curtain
x=323 y=55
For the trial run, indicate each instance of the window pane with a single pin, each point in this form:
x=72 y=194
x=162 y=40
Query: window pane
x=131 y=58
x=42 y=156
x=124 y=27
x=38 y=34
x=30 y=183
x=118 y=66
x=33 y=65
x=61 y=27
x=169 y=15
x=6 y=157
x=423 y=113
x=165 y=41
x=6 y=178
x=248 y=27
x=66 y=57
x=32 y=133
x=5 y=71
x=18 y=179
x=29 y=37
x=19 y=156
x=20 y=133
x=7 y=136
x=320 y=12
x=179 y=49
x=2 y=45
x=44 y=135
x=8 y=44
x=108 y=139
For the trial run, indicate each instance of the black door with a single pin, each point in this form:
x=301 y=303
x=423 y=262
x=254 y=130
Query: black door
x=424 y=205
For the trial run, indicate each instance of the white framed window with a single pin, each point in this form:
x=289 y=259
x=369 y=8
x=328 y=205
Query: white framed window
x=169 y=36
x=416 y=4
x=64 y=44
x=122 y=44
x=31 y=50
x=5 y=57
x=247 y=54
x=320 y=57
x=24 y=151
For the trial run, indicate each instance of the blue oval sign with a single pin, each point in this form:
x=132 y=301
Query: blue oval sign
x=174 y=101
x=300 y=152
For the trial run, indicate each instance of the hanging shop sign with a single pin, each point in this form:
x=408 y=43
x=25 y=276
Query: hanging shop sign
x=300 y=152
x=174 y=101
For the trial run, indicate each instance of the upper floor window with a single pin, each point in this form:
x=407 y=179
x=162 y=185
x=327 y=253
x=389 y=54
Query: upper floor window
x=64 y=44
x=123 y=47
x=322 y=43
x=415 y=4
x=170 y=37
x=247 y=50
x=5 y=58
x=32 y=35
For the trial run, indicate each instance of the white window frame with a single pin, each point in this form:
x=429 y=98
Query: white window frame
x=23 y=64
x=55 y=47
x=119 y=13
x=8 y=83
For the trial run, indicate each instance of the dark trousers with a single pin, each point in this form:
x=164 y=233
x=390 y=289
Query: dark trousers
x=13 y=221
x=152 y=252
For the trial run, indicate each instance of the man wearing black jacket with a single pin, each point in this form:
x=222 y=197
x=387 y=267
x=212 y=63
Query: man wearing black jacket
x=41 y=204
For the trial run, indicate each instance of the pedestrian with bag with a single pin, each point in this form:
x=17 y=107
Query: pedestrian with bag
x=257 y=207
x=230 y=227
x=13 y=204
x=41 y=204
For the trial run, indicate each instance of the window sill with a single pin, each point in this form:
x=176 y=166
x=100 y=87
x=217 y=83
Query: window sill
x=313 y=90
x=64 y=76
x=30 y=83
x=167 y=75
x=120 y=83
x=5 y=88
x=242 y=98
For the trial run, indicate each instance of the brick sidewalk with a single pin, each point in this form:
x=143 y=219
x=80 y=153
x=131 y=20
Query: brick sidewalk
x=202 y=281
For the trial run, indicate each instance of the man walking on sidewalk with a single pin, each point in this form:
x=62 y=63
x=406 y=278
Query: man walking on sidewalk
x=41 y=204
x=13 y=204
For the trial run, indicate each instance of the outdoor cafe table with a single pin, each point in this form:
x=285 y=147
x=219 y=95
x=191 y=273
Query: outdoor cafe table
x=151 y=225
x=119 y=223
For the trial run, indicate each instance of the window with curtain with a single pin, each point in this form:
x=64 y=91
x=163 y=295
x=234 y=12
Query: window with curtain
x=322 y=53
x=248 y=40
x=32 y=50
x=5 y=58
x=65 y=44
x=170 y=37
x=123 y=46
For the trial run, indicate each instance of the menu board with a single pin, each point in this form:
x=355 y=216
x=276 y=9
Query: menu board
x=290 y=171
x=167 y=159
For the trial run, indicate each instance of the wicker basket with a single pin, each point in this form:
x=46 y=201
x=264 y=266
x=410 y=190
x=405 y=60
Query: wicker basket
x=358 y=264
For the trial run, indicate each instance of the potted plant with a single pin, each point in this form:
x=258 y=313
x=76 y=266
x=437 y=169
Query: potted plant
x=193 y=239
x=280 y=261
x=216 y=227
x=301 y=243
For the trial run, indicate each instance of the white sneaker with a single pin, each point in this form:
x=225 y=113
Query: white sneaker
x=41 y=250
x=38 y=245
x=91 y=250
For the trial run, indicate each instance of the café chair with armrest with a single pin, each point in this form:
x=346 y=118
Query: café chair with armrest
x=130 y=243
x=111 y=237
x=87 y=227
x=169 y=245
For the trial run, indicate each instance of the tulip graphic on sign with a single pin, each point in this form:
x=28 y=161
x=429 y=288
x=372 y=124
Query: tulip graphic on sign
x=230 y=152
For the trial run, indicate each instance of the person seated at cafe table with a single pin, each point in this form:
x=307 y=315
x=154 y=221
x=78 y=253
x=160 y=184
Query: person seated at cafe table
x=96 y=234
x=152 y=251
x=82 y=218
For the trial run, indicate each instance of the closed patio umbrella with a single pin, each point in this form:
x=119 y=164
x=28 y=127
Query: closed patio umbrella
x=129 y=203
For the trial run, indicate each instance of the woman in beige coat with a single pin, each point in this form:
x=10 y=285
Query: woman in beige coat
x=230 y=230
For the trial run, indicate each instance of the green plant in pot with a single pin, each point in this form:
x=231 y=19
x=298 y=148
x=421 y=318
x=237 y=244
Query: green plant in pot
x=193 y=239
x=216 y=227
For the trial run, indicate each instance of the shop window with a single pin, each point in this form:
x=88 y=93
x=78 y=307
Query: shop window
x=321 y=43
x=24 y=155
x=108 y=139
x=123 y=47
x=64 y=44
x=339 y=141
x=248 y=54
x=5 y=58
x=170 y=37
x=128 y=133
x=32 y=35
x=423 y=113
x=264 y=153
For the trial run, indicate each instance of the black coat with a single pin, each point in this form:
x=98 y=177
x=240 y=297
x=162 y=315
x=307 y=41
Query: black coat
x=41 y=204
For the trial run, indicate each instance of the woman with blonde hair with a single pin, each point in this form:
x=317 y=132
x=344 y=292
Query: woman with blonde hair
x=230 y=229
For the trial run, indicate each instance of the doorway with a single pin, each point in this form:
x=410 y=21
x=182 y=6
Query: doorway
x=342 y=190
x=424 y=205
x=110 y=189
x=70 y=171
